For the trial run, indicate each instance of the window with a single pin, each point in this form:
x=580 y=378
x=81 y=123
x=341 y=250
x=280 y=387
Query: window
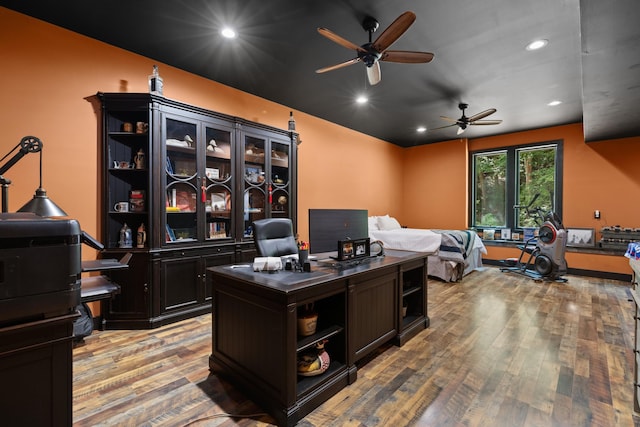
x=505 y=177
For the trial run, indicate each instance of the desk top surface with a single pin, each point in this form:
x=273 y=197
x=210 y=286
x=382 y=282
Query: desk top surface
x=289 y=281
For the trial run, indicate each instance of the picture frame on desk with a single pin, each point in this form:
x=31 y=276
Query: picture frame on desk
x=353 y=249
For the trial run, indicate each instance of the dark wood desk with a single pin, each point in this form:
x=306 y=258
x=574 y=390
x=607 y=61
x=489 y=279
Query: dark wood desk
x=255 y=337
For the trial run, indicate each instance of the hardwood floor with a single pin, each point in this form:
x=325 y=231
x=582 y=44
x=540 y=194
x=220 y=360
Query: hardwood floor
x=502 y=350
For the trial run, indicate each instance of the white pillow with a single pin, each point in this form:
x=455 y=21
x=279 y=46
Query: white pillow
x=388 y=223
x=373 y=223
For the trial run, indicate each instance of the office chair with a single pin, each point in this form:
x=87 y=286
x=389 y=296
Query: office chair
x=274 y=237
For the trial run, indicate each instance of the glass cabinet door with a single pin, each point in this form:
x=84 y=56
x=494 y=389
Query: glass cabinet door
x=280 y=189
x=266 y=179
x=217 y=183
x=182 y=186
x=255 y=185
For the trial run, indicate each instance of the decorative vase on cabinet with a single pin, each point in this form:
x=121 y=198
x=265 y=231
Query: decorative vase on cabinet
x=184 y=173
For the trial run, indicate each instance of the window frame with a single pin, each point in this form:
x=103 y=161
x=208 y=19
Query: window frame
x=512 y=180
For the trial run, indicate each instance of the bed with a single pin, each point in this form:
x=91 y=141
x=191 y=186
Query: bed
x=456 y=252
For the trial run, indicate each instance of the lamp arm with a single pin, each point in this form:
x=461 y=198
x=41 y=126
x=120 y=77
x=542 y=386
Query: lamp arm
x=28 y=144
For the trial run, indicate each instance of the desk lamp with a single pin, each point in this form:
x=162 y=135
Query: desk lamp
x=41 y=205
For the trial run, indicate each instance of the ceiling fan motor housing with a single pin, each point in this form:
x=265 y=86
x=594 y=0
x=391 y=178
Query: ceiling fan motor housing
x=370 y=56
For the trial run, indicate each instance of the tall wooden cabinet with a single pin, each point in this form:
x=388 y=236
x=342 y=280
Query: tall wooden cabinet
x=181 y=186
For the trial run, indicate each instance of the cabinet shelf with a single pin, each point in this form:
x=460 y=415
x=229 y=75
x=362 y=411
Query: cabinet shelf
x=307 y=342
x=411 y=290
x=128 y=213
x=181 y=212
x=127 y=170
x=128 y=134
x=306 y=385
x=190 y=151
x=411 y=318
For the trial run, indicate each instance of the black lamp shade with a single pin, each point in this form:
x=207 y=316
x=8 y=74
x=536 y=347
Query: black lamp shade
x=41 y=205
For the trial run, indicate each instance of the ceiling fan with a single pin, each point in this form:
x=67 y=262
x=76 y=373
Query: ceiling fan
x=465 y=121
x=372 y=52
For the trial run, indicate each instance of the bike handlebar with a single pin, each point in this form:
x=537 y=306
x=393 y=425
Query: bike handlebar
x=535 y=197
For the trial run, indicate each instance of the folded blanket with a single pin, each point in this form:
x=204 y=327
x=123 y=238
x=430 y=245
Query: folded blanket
x=464 y=239
x=452 y=249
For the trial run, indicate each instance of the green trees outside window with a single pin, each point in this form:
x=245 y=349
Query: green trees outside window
x=502 y=178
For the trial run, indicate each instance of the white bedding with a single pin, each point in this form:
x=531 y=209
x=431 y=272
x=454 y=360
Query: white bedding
x=408 y=239
x=443 y=265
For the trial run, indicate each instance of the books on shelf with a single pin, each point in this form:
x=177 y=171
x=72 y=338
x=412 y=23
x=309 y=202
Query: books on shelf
x=180 y=201
x=170 y=236
x=136 y=200
x=217 y=230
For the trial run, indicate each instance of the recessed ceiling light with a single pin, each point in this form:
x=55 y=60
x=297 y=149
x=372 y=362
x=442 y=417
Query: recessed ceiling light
x=554 y=103
x=228 y=33
x=362 y=99
x=421 y=129
x=537 y=44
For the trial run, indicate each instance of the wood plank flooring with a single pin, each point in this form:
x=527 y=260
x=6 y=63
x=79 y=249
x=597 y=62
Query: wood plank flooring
x=502 y=350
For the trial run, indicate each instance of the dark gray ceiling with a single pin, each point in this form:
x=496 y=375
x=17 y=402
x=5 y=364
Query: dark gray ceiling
x=592 y=62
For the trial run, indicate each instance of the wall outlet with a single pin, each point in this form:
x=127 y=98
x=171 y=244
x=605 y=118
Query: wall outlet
x=596 y=214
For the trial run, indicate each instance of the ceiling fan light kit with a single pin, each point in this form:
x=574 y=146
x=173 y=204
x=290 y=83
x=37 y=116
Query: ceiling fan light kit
x=373 y=52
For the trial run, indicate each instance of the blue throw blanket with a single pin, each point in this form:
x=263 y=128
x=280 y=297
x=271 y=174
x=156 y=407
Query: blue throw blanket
x=456 y=246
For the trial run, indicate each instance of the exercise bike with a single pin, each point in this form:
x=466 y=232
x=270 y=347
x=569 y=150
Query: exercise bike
x=544 y=255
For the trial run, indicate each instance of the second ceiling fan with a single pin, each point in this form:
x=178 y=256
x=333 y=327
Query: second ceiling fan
x=374 y=51
x=465 y=121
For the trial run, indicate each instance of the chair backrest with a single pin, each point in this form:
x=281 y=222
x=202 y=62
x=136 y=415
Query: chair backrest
x=274 y=237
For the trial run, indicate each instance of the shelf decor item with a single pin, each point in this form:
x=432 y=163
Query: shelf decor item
x=307 y=321
x=155 y=82
x=126 y=239
x=314 y=362
x=581 y=237
x=139 y=160
x=141 y=237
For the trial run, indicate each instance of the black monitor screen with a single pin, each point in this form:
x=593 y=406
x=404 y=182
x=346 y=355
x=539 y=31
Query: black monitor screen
x=328 y=226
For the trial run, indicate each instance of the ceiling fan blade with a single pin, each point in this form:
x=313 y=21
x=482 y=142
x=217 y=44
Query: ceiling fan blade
x=340 y=65
x=394 y=31
x=486 y=122
x=406 y=56
x=337 y=39
x=373 y=73
x=483 y=114
x=449 y=119
x=443 y=127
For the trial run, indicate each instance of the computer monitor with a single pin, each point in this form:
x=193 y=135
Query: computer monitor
x=329 y=226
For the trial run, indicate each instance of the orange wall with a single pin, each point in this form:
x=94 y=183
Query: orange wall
x=49 y=75
x=436 y=192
